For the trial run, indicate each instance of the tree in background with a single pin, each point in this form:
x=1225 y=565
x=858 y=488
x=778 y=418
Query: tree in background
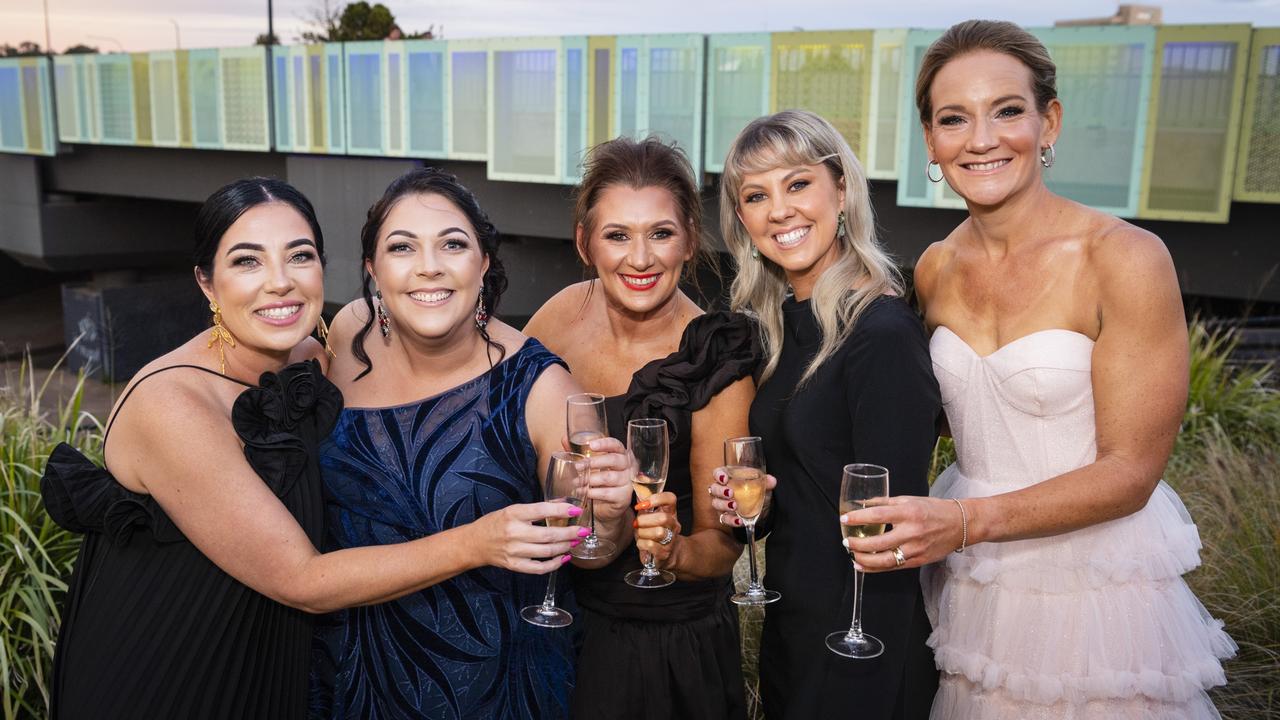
x=25 y=48
x=356 y=21
x=80 y=49
x=265 y=39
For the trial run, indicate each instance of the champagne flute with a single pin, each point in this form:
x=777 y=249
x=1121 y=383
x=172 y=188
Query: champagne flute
x=584 y=416
x=566 y=483
x=861 y=482
x=744 y=464
x=647 y=443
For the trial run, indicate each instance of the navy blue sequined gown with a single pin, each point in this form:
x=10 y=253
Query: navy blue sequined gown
x=457 y=649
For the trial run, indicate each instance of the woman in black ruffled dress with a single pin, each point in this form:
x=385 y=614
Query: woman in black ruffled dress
x=633 y=336
x=191 y=594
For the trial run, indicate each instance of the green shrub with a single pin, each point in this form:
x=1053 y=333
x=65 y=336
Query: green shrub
x=35 y=554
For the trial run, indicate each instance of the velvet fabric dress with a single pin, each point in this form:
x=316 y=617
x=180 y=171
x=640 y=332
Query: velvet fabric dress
x=457 y=649
x=670 y=652
x=152 y=628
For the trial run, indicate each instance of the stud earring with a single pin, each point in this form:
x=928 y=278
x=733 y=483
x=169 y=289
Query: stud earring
x=1047 y=156
x=482 y=315
x=840 y=225
x=384 y=320
x=322 y=330
x=928 y=171
x=221 y=336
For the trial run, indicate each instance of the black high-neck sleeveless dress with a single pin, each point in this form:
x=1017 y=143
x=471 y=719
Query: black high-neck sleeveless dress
x=152 y=628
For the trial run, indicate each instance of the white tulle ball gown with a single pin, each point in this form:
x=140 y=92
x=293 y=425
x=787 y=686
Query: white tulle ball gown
x=1096 y=623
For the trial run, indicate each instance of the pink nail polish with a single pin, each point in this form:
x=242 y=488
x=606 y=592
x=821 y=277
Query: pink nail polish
x=583 y=532
x=575 y=511
x=574 y=543
x=565 y=558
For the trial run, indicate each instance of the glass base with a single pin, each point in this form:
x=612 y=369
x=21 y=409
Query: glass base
x=646 y=578
x=593 y=547
x=759 y=596
x=858 y=647
x=546 y=617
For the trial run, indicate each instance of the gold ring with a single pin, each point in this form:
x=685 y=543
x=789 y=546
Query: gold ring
x=898 y=558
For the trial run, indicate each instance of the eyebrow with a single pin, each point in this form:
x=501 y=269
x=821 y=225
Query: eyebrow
x=785 y=178
x=620 y=226
x=255 y=247
x=998 y=101
x=449 y=230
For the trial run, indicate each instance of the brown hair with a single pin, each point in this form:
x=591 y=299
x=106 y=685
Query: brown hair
x=639 y=164
x=994 y=35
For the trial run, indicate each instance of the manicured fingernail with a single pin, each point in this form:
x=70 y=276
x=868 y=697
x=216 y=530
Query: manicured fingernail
x=583 y=532
x=564 y=559
x=721 y=477
x=635 y=523
x=643 y=505
x=845 y=542
x=575 y=511
x=727 y=492
x=858 y=567
x=574 y=543
x=737 y=521
x=733 y=505
x=844 y=519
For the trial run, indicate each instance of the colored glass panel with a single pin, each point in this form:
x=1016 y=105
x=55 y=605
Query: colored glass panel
x=1258 y=167
x=829 y=74
x=11 y=109
x=364 y=105
x=205 y=125
x=426 y=103
x=244 y=99
x=469 y=95
x=524 y=117
x=737 y=90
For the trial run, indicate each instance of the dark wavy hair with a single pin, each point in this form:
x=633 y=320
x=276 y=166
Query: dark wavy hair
x=430 y=181
x=221 y=210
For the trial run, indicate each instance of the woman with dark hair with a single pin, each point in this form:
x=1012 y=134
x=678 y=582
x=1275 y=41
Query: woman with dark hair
x=191 y=593
x=452 y=416
x=633 y=336
x=1053 y=549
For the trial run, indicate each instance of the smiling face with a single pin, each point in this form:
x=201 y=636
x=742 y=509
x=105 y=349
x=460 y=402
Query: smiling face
x=429 y=266
x=267 y=279
x=986 y=132
x=791 y=214
x=638 y=244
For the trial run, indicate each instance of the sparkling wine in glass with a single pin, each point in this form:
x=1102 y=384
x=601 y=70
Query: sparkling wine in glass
x=585 y=420
x=647 y=443
x=566 y=482
x=744 y=464
x=861 y=482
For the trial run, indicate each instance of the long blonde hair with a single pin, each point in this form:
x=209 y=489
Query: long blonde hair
x=862 y=272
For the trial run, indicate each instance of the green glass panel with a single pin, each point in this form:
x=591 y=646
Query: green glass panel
x=737 y=90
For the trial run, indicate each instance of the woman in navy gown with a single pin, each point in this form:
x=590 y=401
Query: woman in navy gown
x=451 y=415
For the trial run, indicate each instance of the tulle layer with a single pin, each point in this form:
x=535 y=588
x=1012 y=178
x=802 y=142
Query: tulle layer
x=1087 y=619
x=958 y=699
x=1158 y=542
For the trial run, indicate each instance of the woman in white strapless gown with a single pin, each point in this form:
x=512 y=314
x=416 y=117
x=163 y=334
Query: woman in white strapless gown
x=1060 y=348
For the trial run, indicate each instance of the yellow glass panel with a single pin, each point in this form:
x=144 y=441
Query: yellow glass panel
x=141 y=98
x=828 y=73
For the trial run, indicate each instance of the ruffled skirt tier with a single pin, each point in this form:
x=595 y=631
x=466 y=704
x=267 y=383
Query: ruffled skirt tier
x=1095 y=623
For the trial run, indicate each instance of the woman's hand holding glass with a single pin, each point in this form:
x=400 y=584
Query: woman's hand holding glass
x=610 y=476
x=924 y=530
x=514 y=537
x=653 y=527
x=726 y=506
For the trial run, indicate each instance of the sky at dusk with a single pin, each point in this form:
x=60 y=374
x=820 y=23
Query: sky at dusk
x=136 y=25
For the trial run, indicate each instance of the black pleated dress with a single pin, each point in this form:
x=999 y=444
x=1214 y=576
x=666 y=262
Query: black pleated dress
x=152 y=628
x=669 y=652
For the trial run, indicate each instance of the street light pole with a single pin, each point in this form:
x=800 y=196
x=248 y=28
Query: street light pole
x=48 y=38
x=109 y=39
x=177 y=34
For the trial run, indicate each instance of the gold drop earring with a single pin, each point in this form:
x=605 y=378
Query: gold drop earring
x=322 y=330
x=221 y=336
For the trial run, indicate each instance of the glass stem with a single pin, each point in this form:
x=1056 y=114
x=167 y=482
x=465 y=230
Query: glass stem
x=754 y=585
x=549 y=602
x=855 y=628
x=591 y=514
x=650 y=567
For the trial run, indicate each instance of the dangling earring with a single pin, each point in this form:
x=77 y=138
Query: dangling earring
x=755 y=252
x=928 y=171
x=322 y=330
x=482 y=315
x=840 y=225
x=384 y=320
x=221 y=336
x=1047 y=162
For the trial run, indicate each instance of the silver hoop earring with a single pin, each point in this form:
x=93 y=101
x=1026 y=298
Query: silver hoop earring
x=1048 y=160
x=928 y=171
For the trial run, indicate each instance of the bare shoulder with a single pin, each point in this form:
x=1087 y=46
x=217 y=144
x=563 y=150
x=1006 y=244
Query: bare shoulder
x=348 y=321
x=551 y=320
x=1128 y=255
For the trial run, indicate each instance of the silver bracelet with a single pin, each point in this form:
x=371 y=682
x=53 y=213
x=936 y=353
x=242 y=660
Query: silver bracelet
x=964 y=526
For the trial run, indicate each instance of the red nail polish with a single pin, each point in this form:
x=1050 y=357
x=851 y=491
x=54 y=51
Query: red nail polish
x=733 y=505
x=635 y=523
x=726 y=492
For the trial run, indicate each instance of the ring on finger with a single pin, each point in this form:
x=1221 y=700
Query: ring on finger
x=899 y=559
x=668 y=537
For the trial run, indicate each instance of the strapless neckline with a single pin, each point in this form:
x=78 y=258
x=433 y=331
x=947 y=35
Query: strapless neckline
x=1020 y=340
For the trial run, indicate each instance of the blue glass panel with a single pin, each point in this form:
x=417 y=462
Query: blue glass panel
x=426 y=102
x=524 y=113
x=470 y=120
x=299 y=103
x=573 y=112
x=335 y=103
x=11 y=109
x=283 y=128
x=627 y=92
x=203 y=72
x=365 y=84
x=393 y=102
